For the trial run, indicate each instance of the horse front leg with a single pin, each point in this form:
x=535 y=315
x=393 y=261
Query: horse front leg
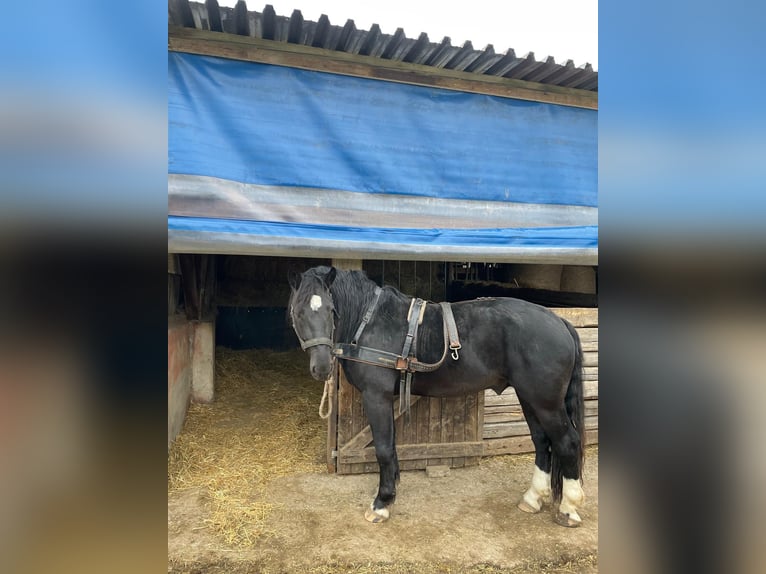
x=380 y=415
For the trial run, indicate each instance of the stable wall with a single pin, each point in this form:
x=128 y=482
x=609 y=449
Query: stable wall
x=191 y=368
x=180 y=333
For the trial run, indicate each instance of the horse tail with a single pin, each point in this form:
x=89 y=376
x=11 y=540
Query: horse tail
x=574 y=403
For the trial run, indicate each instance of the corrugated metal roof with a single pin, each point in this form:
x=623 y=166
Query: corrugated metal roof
x=294 y=29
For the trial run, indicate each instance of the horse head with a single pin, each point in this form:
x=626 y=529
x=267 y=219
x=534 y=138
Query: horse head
x=312 y=315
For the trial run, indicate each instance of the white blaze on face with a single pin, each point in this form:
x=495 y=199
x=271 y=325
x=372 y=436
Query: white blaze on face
x=315 y=303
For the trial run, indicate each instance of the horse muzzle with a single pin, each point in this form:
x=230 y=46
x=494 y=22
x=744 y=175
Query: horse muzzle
x=320 y=363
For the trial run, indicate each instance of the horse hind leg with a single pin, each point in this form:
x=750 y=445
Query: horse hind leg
x=572 y=497
x=539 y=491
x=565 y=468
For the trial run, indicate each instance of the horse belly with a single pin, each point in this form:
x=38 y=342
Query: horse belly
x=451 y=382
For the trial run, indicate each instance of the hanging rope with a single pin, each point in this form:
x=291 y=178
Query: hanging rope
x=325 y=406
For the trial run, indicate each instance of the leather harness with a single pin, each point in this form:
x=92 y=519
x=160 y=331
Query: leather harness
x=406 y=362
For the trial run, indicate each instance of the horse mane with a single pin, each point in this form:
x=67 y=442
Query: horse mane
x=352 y=293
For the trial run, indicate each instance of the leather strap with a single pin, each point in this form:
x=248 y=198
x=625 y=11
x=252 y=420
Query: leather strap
x=406 y=362
x=370 y=356
x=367 y=316
x=405 y=393
x=449 y=322
x=409 y=354
x=412 y=327
x=365 y=355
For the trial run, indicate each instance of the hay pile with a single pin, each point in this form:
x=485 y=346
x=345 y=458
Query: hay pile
x=262 y=425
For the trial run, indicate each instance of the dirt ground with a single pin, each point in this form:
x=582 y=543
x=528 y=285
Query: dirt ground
x=464 y=522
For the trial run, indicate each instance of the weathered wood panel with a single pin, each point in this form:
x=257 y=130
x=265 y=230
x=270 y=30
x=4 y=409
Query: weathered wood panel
x=251 y=49
x=198 y=281
x=523 y=443
x=332 y=427
x=516 y=428
x=346 y=400
x=588 y=334
x=512 y=413
x=439 y=431
x=473 y=406
x=422 y=452
x=579 y=317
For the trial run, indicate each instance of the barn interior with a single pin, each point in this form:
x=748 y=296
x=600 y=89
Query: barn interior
x=255 y=415
x=238 y=303
x=252 y=292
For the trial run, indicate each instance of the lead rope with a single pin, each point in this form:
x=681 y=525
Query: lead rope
x=325 y=406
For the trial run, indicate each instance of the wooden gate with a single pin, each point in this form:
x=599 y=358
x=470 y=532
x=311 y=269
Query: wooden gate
x=441 y=431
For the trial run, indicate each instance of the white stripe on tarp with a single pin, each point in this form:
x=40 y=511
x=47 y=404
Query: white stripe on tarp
x=203 y=196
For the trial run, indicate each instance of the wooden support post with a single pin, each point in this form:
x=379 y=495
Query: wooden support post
x=203 y=362
x=198 y=281
x=189 y=277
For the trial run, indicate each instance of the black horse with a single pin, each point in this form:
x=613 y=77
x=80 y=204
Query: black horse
x=502 y=342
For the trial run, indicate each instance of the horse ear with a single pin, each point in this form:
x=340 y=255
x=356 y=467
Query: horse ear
x=294 y=278
x=330 y=277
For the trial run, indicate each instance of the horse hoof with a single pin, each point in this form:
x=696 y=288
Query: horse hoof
x=524 y=506
x=568 y=520
x=377 y=516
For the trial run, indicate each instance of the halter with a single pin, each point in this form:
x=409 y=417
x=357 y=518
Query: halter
x=316 y=341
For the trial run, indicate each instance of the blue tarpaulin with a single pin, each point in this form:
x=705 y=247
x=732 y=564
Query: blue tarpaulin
x=267 y=159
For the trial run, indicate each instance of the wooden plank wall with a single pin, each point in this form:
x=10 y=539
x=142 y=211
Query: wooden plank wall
x=441 y=431
x=505 y=431
x=251 y=49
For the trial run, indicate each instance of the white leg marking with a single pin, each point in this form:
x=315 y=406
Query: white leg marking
x=379 y=515
x=315 y=303
x=540 y=489
x=572 y=496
